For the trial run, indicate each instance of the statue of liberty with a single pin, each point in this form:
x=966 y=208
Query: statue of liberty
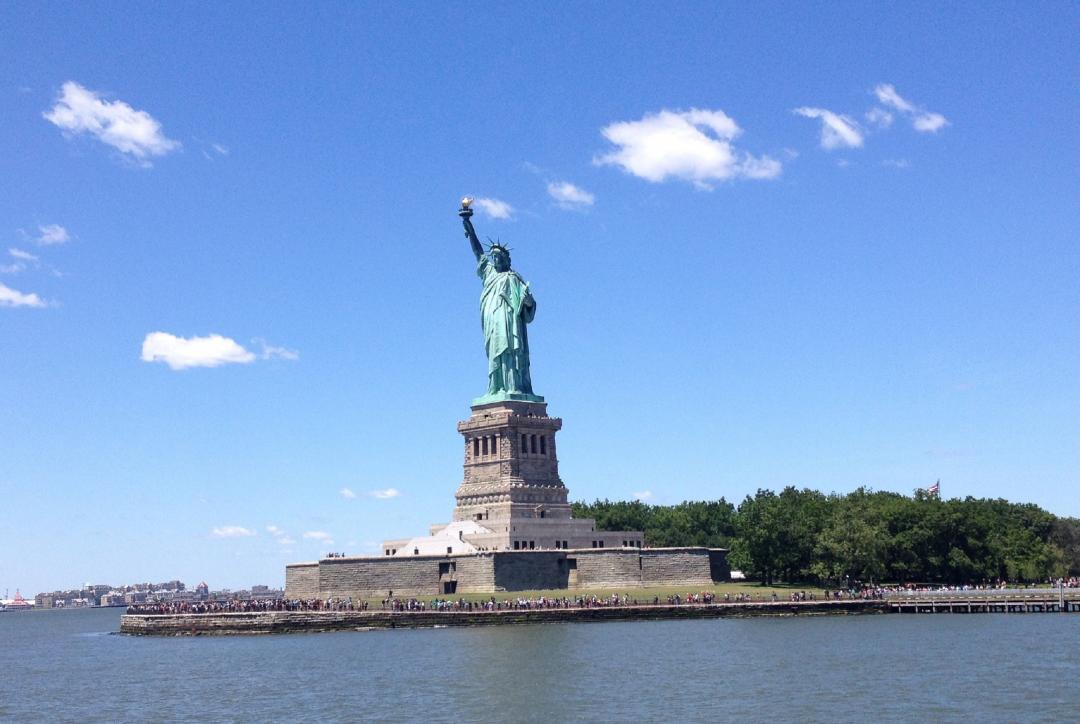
x=506 y=307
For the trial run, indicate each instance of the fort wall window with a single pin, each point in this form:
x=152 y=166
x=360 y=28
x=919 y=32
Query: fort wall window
x=483 y=446
x=476 y=447
x=532 y=443
x=524 y=444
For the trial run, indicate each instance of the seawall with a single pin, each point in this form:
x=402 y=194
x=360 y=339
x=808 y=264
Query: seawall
x=226 y=624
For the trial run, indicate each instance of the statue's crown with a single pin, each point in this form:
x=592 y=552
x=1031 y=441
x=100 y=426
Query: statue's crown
x=497 y=246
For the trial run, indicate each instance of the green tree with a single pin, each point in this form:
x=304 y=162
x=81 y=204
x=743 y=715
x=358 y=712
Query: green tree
x=803 y=535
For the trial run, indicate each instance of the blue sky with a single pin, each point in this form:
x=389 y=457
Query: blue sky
x=827 y=246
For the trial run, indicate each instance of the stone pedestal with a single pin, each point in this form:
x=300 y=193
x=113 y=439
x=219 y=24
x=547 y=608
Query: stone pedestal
x=511 y=496
x=511 y=465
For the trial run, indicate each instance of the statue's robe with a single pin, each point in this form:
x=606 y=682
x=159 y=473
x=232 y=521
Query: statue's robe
x=506 y=307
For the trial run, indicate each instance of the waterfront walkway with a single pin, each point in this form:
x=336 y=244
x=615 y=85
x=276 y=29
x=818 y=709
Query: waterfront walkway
x=295 y=621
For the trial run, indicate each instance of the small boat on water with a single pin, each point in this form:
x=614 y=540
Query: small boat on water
x=16 y=604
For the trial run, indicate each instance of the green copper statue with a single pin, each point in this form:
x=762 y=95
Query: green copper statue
x=506 y=307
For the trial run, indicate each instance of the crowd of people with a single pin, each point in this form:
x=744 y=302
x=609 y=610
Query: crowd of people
x=391 y=603
x=416 y=604
x=248 y=606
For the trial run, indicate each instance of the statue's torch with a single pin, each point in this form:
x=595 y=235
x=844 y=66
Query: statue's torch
x=466 y=208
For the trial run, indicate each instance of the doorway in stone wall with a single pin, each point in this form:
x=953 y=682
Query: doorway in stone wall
x=572 y=572
x=449 y=587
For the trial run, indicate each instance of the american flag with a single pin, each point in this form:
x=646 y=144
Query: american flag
x=935 y=489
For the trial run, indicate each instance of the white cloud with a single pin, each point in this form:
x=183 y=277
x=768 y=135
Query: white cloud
x=20 y=254
x=763 y=167
x=13 y=298
x=569 y=196
x=12 y=268
x=643 y=495
x=52 y=234
x=280 y=536
x=896 y=162
x=494 y=208
x=879 y=117
x=220 y=149
x=272 y=352
x=385 y=494
x=692 y=145
x=347 y=494
x=929 y=122
x=924 y=121
x=79 y=110
x=232 y=531
x=321 y=536
x=180 y=353
x=887 y=94
x=837 y=131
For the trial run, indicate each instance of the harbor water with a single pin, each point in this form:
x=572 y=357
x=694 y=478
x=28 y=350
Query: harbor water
x=70 y=665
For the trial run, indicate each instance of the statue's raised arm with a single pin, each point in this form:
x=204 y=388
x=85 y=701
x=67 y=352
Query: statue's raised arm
x=466 y=213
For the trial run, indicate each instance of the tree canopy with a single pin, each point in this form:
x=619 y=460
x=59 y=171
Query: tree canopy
x=807 y=536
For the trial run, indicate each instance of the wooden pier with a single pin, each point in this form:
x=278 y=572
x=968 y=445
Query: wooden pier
x=1014 y=601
